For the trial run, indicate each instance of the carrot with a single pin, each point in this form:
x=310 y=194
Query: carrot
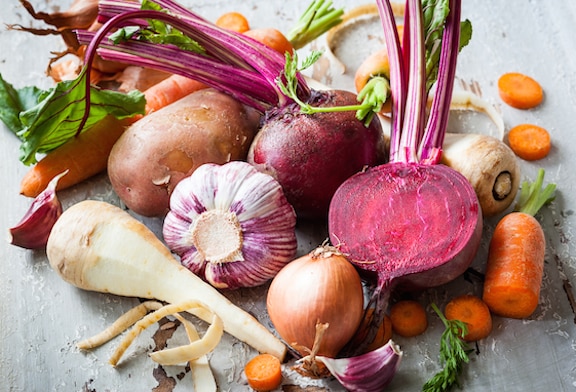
x=234 y=21
x=83 y=157
x=408 y=318
x=516 y=255
x=170 y=90
x=263 y=372
x=530 y=142
x=520 y=91
x=474 y=312
x=383 y=334
x=272 y=38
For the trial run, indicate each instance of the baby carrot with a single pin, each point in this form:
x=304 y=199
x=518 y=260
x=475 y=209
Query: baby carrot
x=520 y=91
x=530 y=142
x=471 y=310
x=83 y=157
x=516 y=255
x=263 y=372
x=272 y=38
x=234 y=21
x=408 y=318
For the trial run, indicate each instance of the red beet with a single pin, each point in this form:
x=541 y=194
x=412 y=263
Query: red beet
x=311 y=155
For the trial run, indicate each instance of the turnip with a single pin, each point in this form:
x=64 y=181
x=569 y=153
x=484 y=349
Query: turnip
x=310 y=152
x=97 y=246
x=412 y=221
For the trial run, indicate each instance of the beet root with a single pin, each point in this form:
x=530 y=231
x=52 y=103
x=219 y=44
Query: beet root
x=311 y=155
x=413 y=225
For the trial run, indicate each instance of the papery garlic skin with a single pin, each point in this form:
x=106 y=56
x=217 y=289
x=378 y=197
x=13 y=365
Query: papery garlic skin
x=369 y=372
x=231 y=225
x=34 y=228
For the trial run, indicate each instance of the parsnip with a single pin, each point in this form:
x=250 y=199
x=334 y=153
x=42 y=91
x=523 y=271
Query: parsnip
x=99 y=247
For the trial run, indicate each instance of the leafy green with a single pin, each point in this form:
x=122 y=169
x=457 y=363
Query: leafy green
x=453 y=355
x=46 y=119
x=532 y=197
x=318 y=18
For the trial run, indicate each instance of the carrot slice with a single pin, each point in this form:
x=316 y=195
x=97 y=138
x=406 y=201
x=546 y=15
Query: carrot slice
x=234 y=21
x=520 y=91
x=471 y=310
x=263 y=372
x=530 y=142
x=408 y=318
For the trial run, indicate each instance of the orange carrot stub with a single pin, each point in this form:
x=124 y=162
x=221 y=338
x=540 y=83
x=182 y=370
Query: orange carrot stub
x=263 y=372
x=272 y=38
x=515 y=266
x=408 y=318
x=471 y=310
x=530 y=142
x=83 y=157
x=520 y=91
x=234 y=21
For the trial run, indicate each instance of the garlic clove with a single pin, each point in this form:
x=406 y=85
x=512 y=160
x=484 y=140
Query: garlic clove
x=34 y=228
x=369 y=372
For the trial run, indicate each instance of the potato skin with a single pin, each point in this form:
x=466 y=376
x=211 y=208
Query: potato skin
x=162 y=148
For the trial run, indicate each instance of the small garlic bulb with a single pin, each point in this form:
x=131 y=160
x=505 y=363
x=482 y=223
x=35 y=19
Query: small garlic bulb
x=231 y=225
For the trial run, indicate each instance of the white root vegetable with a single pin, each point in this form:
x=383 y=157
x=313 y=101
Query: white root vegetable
x=488 y=164
x=99 y=247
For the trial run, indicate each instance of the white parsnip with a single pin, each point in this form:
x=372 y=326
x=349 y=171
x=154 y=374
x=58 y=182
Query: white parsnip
x=99 y=247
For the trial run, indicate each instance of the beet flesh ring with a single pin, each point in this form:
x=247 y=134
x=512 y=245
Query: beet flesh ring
x=414 y=225
x=312 y=155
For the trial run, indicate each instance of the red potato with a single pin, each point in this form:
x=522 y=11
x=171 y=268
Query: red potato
x=161 y=149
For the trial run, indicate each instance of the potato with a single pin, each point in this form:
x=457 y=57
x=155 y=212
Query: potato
x=162 y=148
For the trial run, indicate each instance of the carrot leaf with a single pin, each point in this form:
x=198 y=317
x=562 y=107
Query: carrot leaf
x=453 y=355
x=532 y=197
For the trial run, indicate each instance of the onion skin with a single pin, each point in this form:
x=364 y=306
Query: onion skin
x=311 y=155
x=316 y=288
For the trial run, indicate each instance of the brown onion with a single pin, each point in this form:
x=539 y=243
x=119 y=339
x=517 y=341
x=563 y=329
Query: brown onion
x=320 y=287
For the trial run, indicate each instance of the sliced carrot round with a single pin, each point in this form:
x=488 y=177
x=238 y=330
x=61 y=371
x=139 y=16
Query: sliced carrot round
x=530 y=142
x=471 y=310
x=520 y=91
x=408 y=318
x=234 y=21
x=264 y=372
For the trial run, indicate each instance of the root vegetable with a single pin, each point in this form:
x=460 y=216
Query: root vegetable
x=99 y=247
x=411 y=221
x=488 y=164
x=472 y=311
x=516 y=255
x=408 y=318
x=159 y=150
x=530 y=142
x=520 y=91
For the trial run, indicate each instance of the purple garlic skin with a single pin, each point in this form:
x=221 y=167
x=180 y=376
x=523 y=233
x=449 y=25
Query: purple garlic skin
x=369 y=372
x=34 y=228
x=231 y=225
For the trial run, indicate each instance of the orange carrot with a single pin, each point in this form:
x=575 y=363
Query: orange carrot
x=234 y=21
x=272 y=38
x=516 y=255
x=383 y=334
x=474 y=312
x=84 y=157
x=520 y=91
x=170 y=90
x=408 y=318
x=263 y=372
x=530 y=142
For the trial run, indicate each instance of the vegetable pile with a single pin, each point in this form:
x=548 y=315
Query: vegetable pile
x=234 y=149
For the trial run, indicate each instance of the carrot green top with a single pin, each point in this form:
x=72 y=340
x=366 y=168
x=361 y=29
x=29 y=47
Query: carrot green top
x=533 y=197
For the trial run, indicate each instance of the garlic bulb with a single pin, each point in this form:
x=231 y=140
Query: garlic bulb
x=34 y=228
x=231 y=225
